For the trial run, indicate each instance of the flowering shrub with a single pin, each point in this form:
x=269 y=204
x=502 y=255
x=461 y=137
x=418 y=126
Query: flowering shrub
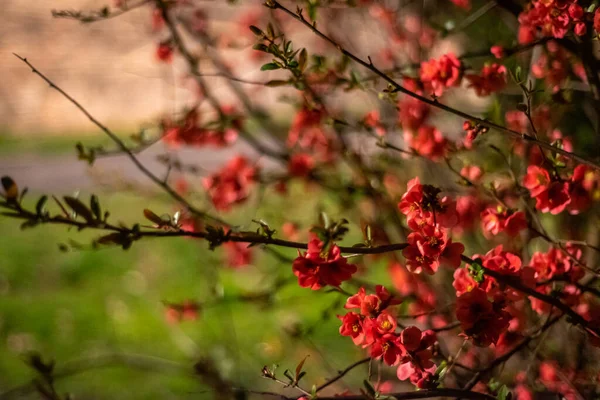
x=418 y=194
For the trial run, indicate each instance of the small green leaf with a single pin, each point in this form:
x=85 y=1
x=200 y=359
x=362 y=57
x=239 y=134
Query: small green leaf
x=39 y=206
x=261 y=47
x=277 y=83
x=256 y=31
x=369 y=387
x=79 y=208
x=302 y=58
x=153 y=217
x=299 y=368
x=95 y=207
x=269 y=67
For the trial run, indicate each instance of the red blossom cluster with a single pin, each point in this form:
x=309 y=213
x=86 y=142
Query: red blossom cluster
x=189 y=132
x=307 y=133
x=481 y=320
x=232 y=184
x=375 y=327
x=554 y=193
x=321 y=266
x=186 y=311
x=429 y=217
x=484 y=320
x=439 y=74
x=473 y=130
x=552 y=18
x=500 y=219
x=492 y=78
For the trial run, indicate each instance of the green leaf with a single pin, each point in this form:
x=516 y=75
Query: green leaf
x=369 y=387
x=261 y=47
x=153 y=217
x=256 y=31
x=277 y=83
x=302 y=58
x=504 y=393
x=39 y=206
x=95 y=207
x=269 y=67
x=79 y=208
x=299 y=368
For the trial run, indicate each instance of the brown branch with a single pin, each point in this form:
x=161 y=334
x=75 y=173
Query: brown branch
x=422 y=394
x=97 y=15
x=79 y=366
x=193 y=68
x=159 y=182
x=342 y=373
x=505 y=357
x=434 y=103
x=515 y=283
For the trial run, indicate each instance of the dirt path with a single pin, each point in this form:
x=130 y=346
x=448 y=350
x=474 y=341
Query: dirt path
x=59 y=174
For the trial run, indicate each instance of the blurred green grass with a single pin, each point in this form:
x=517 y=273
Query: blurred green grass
x=85 y=303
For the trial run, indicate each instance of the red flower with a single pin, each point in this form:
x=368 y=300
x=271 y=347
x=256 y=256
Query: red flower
x=437 y=75
x=463 y=281
x=422 y=206
x=301 y=165
x=555 y=199
x=500 y=219
x=416 y=362
x=186 y=311
x=468 y=209
x=428 y=142
x=412 y=114
x=502 y=261
x=497 y=51
x=389 y=348
x=480 y=319
x=188 y=131
x=579 y=189
x=164 y=52
x=430 y=247
x=597 y=20
x=232 y=184
x=556 y=263
x=307 y=133
x=352 y=326
x=537 y=180
x=466 y=4
x=370 y=305
x=372 y=120
x=318 y=267
x=238 y=254
x=491 y=79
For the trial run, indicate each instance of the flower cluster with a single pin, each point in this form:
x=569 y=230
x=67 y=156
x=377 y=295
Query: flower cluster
x=321 y=266
x=429 y=217
x=186 y=311
x=307 y=134
x=500 y=219
x=232 y=184
x=189 y=132
x=554 y=194
x=473 y=131
x=482 y=320
x=437 y=75
x=375 y=327
x=491 y=79
x=553 y=18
